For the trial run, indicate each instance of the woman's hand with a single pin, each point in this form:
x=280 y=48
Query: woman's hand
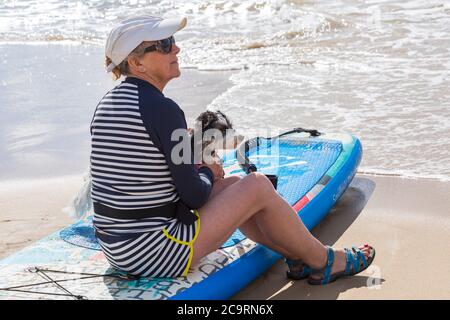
x=217 y=170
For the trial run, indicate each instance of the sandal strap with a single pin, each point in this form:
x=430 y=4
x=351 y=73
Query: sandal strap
x=354 y=257
x=326 y=270
x=361 y=257
x=348 y=261
x=330 y=261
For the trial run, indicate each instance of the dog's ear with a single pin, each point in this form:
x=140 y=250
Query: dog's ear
x=226 y=120
x=207 y=118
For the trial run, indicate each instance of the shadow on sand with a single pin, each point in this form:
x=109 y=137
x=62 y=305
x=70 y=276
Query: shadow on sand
x=331 y=228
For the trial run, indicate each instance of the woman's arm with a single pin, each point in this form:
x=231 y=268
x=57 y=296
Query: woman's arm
x=193 y=186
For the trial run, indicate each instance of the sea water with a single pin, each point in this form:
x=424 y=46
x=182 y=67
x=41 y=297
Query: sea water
x=377 y=69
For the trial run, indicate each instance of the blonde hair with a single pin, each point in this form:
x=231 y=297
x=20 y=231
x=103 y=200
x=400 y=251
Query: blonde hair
x=123 y=69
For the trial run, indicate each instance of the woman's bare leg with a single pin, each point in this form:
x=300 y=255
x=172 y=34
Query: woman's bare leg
x=249 y=228
x=254 y=198
x=252 y=231
x=235 y=205
x=221 y=185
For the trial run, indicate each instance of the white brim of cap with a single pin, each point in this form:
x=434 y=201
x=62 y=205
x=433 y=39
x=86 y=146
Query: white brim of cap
x=167 y=28
x=138 y=33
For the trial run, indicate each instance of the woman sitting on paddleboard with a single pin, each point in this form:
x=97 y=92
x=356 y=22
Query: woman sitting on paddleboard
x=149 y=207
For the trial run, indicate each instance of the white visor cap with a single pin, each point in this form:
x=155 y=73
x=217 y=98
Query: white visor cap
x=130 y=33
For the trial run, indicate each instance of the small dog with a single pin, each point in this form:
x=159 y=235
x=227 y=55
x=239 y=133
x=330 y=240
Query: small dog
x=222 y=136
x=216 y=133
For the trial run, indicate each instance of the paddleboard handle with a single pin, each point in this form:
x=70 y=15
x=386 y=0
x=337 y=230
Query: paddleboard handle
x=312 y=132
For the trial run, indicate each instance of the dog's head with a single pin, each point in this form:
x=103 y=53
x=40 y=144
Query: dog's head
x=218 y=130
x=214 y=120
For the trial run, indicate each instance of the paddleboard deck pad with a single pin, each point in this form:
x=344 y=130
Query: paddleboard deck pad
x=313 y=172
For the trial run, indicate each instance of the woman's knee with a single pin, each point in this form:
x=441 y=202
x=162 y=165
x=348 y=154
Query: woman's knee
x=234 y=179
x=259 y=183
x=223 y=184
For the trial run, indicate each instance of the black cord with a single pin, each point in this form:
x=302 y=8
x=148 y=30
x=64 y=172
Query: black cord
x=312 y=132
x=243 y=149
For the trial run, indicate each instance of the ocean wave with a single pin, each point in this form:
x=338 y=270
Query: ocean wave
x=215 y=67
x=58 y=40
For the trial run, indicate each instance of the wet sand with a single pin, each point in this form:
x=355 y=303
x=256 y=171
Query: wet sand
x=48 y=103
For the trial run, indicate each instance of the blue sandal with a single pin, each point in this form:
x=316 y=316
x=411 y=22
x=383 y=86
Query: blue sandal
x=356 y=262
x=298 y=270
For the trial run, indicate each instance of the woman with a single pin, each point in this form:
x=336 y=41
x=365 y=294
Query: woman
x=148 y=207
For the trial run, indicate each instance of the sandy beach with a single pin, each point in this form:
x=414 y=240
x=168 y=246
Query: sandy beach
x=366 y=69
x=406 y=220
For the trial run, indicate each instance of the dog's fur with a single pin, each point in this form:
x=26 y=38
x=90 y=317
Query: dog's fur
x=81 y=204
x=218 y=121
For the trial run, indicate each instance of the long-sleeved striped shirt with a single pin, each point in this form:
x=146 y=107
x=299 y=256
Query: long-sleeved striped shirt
x=131 y=163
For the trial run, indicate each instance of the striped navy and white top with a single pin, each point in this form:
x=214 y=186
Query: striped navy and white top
x=131 y=163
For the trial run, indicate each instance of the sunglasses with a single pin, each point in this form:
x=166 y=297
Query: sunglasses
x=163 y=46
